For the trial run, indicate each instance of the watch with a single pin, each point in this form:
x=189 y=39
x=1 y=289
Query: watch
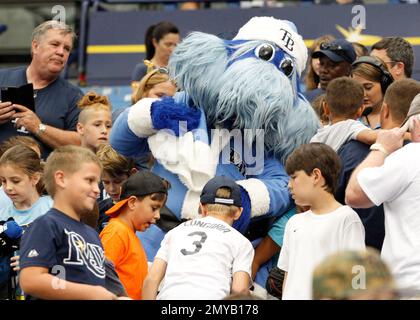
x=379 y=147
x=41 y=128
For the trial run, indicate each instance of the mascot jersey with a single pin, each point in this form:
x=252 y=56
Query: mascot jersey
x=239 y=114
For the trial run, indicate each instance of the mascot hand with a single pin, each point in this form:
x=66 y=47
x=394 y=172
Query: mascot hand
x=242 y=223
x=166 y=114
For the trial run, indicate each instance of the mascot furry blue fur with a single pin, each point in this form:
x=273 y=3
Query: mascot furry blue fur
x=239 y=113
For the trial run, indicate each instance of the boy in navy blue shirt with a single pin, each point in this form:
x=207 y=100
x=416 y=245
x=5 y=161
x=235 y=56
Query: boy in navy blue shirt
x=61 y=257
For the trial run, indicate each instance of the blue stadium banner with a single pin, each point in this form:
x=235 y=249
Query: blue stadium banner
x=116 y=39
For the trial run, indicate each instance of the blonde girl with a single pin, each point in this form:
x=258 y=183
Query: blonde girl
x=95 y=121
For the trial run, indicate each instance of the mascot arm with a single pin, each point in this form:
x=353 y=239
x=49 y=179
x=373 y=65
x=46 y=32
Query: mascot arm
x=124 y=140
x=268 y=192
x=167 y=114
x=132 y=128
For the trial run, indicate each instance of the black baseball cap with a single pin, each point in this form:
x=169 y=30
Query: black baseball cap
x=142 y=183
x=337 y=50
x=208 y=195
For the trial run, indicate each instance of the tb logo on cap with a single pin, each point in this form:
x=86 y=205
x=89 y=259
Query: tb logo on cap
x=287 y=39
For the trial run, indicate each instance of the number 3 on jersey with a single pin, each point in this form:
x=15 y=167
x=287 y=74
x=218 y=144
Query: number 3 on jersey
x=198 y=244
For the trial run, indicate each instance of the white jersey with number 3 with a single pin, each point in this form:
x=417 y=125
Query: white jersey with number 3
x=202 y=255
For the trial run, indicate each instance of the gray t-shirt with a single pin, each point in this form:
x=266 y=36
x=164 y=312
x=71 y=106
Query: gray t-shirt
x=339 y=133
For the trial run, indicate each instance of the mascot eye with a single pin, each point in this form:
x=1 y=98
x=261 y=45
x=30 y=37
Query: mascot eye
x=265 y=52
x=287 y=67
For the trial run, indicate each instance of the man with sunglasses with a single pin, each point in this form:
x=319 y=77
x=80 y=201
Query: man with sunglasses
x=335 y=58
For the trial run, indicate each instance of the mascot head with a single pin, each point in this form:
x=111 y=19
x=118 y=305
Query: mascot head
x=250 y=82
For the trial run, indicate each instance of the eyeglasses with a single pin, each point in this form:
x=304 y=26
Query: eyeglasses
x=391 y=62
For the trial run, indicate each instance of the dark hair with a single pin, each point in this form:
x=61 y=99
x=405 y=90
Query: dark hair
x=399 y=96
x=344 y=97
x=157 y=32
x=398 y=50
x=316 y=155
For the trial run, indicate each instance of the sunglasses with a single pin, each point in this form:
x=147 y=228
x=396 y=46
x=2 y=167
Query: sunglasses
x=162 y=70
x=336 y=48
x=330 y=46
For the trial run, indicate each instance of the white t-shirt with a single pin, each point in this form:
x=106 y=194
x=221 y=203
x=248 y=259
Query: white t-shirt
x=339 y=133
x=202 y=256
x=309 y=238
x=396 y=184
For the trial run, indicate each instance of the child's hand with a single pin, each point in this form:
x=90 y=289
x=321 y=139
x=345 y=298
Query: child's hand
x=15 y=263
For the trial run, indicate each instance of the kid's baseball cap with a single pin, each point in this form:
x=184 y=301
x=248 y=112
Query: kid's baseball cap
x=208 y=195
x=142 y=183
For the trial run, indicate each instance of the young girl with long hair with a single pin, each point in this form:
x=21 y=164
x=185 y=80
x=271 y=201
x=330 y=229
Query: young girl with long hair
x=21 y=178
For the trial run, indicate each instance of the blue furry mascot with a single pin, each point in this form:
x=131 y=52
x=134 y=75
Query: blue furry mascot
x=239 y=114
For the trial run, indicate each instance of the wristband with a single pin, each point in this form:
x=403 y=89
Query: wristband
x=379 y=147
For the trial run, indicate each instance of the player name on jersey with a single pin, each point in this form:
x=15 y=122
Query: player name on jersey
x=198 y=223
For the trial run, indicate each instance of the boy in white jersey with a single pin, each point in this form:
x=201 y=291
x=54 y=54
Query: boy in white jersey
x=326 y=228
x=204 y=258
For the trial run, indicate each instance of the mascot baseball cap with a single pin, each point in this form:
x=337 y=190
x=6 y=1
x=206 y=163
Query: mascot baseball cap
x=337 y=50
x=281 y=32
x=208 y=195
x=142 y=183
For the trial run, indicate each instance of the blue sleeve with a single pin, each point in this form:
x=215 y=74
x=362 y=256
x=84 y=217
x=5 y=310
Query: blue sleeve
x=276 y=180
x=38 y=245
x=276 y=232
x=125 y=141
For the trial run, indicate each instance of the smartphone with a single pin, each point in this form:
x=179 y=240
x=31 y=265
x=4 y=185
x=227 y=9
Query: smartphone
x=23 y=95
